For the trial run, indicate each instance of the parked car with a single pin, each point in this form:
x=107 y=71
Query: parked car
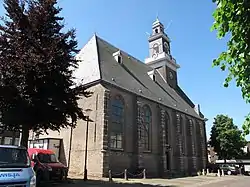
x=213 y=168
x=15 y=167
x=230 y=169
x=46 y=165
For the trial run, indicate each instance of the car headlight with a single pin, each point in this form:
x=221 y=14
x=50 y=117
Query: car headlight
x=33 y=181
x=49 y=168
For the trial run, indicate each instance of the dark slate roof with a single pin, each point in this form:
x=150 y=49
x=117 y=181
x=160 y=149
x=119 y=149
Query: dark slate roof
x=98 y=63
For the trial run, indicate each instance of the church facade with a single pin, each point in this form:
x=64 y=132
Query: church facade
x=141 y=118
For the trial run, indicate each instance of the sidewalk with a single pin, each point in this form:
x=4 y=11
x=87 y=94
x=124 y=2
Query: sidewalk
x=178 y=182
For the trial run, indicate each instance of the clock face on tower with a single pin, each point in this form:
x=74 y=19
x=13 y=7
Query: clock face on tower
x=155 y=48
x=166 y=47
x=171 y=76
x=166 y=44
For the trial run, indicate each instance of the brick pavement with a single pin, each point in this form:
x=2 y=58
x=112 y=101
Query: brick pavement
x=240 y=181
x=179 y=182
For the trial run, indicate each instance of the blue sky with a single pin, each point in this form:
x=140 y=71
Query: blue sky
x=124 y=23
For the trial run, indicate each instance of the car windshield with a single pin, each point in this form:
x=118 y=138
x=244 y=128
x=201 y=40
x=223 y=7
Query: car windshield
x=13 y=158
x=228 y=165
x=47 y=158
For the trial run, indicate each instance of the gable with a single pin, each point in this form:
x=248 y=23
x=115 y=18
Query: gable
x=88 y=70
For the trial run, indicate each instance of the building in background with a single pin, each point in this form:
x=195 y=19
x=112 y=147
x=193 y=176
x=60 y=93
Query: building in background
x=212 y=155
x=142 y=118
x=8 y=137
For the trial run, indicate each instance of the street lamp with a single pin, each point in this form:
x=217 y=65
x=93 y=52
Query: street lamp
x=87 y=111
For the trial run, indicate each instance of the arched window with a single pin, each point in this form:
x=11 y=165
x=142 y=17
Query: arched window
x=181 y=126
x=201 y=129
x=117 y=116
x=167 y=133
x=194 y=135
x=182 y=136
x=190 y=127
x=167 y=127
x=189 y=133
x=145 y=127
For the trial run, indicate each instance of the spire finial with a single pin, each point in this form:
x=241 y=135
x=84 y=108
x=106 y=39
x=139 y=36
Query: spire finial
x=157 y=16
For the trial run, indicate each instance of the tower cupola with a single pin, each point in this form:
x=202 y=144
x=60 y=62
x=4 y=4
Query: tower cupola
x=160 y=57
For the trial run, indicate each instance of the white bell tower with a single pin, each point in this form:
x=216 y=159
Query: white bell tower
x=160 y=57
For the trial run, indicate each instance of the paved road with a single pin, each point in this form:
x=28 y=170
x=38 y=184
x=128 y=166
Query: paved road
x=239 y=182
x=201 y=181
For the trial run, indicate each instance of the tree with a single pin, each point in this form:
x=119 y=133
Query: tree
x=226 y=138
x=37 y=60
x=233 y=17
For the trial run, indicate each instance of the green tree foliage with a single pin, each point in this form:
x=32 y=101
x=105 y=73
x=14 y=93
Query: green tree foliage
x=36 y=64
x=233 y=17
x=226 y=138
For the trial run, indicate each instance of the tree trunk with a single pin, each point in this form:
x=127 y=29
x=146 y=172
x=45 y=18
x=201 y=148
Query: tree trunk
x=25 y=137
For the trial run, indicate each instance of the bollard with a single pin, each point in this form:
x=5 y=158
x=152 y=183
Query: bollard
x=110 y=176
x=125 y=175
x=203 y=171
x=207 y=171
x=218 y=173
x=144 y=174
x=222 y=173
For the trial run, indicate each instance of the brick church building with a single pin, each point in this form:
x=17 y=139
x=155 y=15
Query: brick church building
x=141 y=117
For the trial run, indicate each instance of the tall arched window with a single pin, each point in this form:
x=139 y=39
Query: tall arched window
x=182 y=136
x=189 y=133
x=117 y=116
x=190 y=127
x=167 y=127
x=167 y=134
x=194 y=135
x=145 y=127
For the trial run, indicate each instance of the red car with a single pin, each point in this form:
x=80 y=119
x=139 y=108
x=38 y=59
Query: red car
x=46 y=165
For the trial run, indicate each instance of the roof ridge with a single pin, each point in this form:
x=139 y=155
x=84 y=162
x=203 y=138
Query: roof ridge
x=122 y=51
x=98 y=54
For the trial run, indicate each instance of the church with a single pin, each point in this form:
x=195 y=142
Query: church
x=140 y=117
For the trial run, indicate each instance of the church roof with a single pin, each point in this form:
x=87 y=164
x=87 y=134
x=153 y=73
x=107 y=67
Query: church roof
x=96 y=62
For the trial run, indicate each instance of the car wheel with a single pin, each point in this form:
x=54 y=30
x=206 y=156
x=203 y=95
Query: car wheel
x=63 y=176
x=38 y=178
x=229 y=172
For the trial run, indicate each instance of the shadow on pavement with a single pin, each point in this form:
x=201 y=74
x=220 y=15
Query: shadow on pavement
x=97 y=183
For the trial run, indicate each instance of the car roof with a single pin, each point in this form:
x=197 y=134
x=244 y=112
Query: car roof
x=37 y=150
x=12 y=146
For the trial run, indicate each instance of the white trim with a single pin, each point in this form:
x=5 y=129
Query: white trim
x=151 y=74
x=159 y=35
x=116 y=55
x=161 y=60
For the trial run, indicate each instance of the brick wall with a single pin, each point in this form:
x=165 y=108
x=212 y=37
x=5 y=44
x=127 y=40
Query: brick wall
x=132 y=156
x=95 y=137
x=182 y=134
